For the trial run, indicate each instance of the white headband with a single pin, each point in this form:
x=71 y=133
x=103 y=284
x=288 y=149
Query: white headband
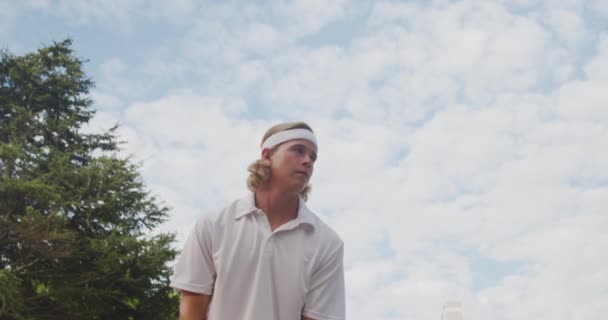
x=287 y=135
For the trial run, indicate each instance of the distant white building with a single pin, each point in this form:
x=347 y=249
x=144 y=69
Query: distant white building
x=452 y=311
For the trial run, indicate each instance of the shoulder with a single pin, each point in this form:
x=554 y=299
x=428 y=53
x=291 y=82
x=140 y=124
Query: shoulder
x=328 y=240
x=329 y=234
x=327 y=247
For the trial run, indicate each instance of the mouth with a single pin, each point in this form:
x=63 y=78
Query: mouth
x=304 y=173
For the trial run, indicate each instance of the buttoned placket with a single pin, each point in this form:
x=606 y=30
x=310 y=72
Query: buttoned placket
x=269 y=236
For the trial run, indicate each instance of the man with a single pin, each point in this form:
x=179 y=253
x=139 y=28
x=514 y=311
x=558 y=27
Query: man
x=266 y=256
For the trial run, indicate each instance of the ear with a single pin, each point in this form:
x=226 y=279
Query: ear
x=266 y=153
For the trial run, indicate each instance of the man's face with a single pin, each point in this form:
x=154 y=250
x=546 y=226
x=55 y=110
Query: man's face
x=292 y=164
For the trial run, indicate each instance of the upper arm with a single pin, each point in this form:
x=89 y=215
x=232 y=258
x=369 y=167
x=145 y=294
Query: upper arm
x=193 y=306
x=325 y=299
x=195 y=268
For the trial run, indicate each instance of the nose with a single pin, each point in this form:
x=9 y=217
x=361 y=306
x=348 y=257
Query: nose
x=308 y=160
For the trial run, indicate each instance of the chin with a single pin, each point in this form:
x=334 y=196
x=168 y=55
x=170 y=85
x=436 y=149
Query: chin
x=298 y=187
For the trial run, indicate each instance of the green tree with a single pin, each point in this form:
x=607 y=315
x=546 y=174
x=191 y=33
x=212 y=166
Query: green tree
x=75 y=218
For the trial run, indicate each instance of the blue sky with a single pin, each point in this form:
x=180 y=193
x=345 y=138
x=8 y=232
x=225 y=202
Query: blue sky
x=462 y=143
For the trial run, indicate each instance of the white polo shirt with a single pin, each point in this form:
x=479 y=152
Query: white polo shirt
x=256 y=274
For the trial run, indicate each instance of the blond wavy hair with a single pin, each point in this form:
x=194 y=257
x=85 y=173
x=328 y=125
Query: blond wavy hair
x=259 y=170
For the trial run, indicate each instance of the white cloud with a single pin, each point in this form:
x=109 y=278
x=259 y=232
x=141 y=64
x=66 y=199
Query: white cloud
x=176 y=12
x=116 y=79
x=105 y=11
x=39 y=4
x=119 y=16
x=161 y=65
x=261 y=37
x=113 y=67
x=599 y=6
x=302 y=17
x=584 y=101
x=106 y=102
x=597 y=68
x=568 y=26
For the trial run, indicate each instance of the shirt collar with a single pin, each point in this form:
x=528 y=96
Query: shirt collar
x=246 y=205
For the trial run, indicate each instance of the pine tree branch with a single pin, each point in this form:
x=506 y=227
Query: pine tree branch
x=27 y=265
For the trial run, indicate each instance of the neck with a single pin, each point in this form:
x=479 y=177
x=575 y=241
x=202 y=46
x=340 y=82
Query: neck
x=280 y=206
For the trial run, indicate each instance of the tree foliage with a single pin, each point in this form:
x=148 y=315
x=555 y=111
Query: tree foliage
x=75 y=217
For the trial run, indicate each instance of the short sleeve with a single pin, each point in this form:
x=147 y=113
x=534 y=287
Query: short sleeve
x=195 y=269
x=325 y=299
